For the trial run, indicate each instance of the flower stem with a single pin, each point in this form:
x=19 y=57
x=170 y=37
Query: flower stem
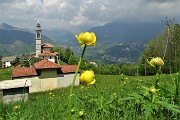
x=95 y=88
x=158 y=70
x=153 y=97
x=72 y=85
x=102 y=108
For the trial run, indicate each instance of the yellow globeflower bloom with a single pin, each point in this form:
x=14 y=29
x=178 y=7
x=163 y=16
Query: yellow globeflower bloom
x=87 y=77
x=88 y=38
x=16 y=107
x=152 y=90
x=156 y=62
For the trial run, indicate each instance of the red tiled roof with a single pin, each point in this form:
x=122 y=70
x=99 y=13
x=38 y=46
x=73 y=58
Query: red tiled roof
x=45 y=64
x=47 y=53
x=25 y=71
x=68 y=68
x=47 y=45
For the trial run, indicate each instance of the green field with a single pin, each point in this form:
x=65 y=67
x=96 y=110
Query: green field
x=5 y=74
x=114 y=97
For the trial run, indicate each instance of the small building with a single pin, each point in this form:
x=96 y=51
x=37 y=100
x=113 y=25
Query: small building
x=46 y=75
x=8 y=61
x=14 y=90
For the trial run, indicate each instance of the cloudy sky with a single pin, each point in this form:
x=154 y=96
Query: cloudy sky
x=79 y=15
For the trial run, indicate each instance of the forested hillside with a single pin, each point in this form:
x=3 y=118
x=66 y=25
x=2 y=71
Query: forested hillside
x=166 y=46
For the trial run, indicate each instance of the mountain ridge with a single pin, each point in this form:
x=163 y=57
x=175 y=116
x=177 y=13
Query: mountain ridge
x=127 y=32
x=116 y=41
x=16 y=41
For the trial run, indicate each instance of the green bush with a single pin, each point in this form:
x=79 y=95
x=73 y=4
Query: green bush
x=130 y=69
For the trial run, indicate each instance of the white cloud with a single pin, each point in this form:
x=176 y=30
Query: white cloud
x=83 y=14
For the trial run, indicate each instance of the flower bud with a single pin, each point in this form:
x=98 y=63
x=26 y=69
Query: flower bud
x=72 y=111
x=16 y=107
x=81 y=113
x=152 y=90
x=156 y=62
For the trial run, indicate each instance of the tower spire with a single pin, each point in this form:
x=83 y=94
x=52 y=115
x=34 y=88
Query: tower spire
x=38 y=39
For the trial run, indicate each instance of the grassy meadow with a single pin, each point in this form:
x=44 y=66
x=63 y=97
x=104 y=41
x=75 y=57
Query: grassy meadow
x=114 y=97
x=5 y=74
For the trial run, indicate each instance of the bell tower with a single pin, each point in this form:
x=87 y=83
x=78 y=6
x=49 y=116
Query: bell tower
x=38 y=39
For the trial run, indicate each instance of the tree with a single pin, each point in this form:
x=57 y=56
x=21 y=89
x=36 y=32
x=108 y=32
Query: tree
x=64 y=54
x=73 y=60
x=175 y=48
x=24 y=61
x=168 y=49
x=68 y=53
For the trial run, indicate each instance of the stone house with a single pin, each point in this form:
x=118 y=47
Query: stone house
x=7 y=61
x=46 y=75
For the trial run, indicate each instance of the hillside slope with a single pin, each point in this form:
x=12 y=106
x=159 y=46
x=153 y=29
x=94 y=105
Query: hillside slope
x=15 y=41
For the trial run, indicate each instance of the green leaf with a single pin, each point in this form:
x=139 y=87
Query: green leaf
x=171 y=107
x=148 y=110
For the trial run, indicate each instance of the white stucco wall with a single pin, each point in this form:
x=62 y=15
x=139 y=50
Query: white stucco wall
x=35 y=83
x=65 y=80
x=48 y=57
x=41 y=83
x=48 y=84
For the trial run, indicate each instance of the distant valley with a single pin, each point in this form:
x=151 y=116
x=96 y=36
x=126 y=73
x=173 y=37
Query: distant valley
x=119 y=42
x=116 y=42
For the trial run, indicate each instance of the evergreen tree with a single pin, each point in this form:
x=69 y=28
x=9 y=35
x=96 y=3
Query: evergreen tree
x=73 y=60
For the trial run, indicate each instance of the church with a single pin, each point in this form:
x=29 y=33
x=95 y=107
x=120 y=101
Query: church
x=45 y=50
x=45 y=74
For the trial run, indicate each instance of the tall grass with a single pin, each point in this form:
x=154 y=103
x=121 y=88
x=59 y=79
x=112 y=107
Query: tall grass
x=114 y=97
x=6 y=74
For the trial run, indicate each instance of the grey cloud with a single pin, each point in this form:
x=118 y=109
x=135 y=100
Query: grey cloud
x=161 y=1
x=87 y=13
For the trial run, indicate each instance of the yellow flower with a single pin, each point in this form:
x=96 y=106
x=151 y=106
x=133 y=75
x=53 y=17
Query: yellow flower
x=16 y=107
x=152 y=90
x=87 y=77
x=88 y=38
x=156 y=62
